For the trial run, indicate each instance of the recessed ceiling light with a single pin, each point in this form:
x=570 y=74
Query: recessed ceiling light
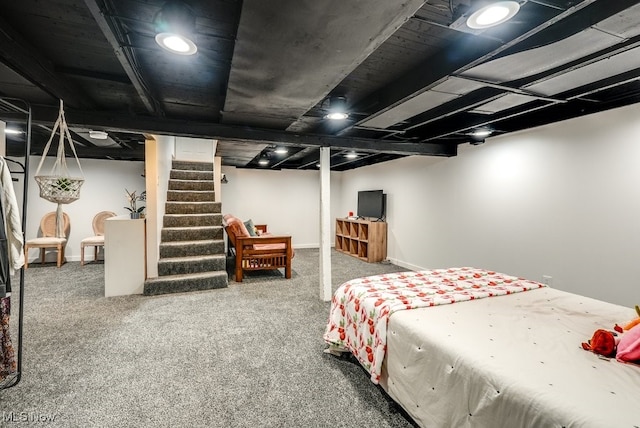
x=351 y=155
x=337 y=116
x=176 y=43
x=12 y=131
x=264 y=161
x=493 y=14
x=337 y=108
x=98 y=135
x=175 y=25
x=482 y=133
x=281 y=150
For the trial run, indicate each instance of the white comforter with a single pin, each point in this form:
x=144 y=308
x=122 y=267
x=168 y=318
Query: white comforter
x=511 y=361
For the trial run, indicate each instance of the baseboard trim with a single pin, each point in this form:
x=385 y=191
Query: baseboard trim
x=406 y=265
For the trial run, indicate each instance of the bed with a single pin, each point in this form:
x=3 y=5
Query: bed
x=466 y=347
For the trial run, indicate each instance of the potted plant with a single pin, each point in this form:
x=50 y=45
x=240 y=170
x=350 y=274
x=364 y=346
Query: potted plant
x=134 y=210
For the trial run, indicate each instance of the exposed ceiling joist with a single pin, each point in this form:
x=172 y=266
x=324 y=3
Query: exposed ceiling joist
x=27 y=61
x=124 y=57
x=273 y=70
x=151 y=125
x=436 y=69
x=416 y=78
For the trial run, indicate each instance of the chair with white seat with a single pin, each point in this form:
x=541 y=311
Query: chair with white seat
x=48 y=238
x=97 y=240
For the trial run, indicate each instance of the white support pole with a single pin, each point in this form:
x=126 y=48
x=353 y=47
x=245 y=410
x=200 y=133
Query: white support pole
x=325 y=224
x=3 y=140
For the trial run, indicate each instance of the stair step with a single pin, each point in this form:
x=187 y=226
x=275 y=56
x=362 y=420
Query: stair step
x=193 y=264
x=191 y=184
x=186 y=282
x=192 y=220
x=191 y=241
x=191 y=248
x=191 y=196
x=193 y=207
x=179 y=174
x=192 y=166
x=190 y=233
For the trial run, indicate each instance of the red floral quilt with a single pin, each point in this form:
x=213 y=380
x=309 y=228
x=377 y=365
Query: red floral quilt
x=360 y=308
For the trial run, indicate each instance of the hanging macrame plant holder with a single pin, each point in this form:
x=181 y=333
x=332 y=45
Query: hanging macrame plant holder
x=59 y=187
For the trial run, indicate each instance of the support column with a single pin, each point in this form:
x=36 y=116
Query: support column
x=3 y=141
x=325 y=224
x=153 y=226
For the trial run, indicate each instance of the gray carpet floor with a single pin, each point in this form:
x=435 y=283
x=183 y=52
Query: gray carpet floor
x=250 y=355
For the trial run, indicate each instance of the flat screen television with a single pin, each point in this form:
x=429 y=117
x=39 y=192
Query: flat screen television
x=371 y=203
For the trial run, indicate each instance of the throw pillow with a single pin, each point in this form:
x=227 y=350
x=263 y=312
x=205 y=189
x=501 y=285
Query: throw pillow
x=250 y=227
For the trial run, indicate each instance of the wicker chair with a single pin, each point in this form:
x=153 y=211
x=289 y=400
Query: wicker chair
x=48 y=238
x=97 y=240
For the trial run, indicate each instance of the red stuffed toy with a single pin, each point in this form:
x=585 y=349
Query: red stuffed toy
x=603 y=342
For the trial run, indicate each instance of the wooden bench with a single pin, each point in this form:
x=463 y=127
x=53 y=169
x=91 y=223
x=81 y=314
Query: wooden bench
x=263 y=252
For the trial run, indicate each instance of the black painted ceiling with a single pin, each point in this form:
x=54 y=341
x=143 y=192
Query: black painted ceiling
x=417 y=81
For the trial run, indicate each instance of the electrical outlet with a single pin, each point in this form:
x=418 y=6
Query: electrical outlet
x=546 y=280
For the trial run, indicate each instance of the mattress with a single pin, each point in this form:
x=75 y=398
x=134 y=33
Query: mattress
x=510 y=361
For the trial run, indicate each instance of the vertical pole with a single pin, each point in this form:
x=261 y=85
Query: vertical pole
x=217 y=178
x=325 y=224
x=3 y=140
x=152 y=152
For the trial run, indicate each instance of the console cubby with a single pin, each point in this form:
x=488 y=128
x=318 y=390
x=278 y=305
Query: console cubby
x=364 y=239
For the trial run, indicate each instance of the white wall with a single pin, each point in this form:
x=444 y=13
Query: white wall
x=103 y=190
x=287 y=201
x=561 y=200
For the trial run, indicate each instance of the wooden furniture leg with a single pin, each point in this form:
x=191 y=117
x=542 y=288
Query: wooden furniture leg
x=42 y=255
x=238 y=266
x=60 y=255
x=287 y=268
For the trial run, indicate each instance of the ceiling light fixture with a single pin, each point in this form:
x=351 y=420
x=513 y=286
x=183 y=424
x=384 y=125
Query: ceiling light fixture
x=337 y=108
x=482 y=133
x=493 y=14
x=281 y=150
x=175 y=27
x=98 y=135
x=264 y=159
x=351 y=155
x=12 y=131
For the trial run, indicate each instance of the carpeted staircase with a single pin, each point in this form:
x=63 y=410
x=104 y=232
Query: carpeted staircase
x=191 y=244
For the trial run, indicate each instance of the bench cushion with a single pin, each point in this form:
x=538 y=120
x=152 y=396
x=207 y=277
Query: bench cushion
x=266 y=247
